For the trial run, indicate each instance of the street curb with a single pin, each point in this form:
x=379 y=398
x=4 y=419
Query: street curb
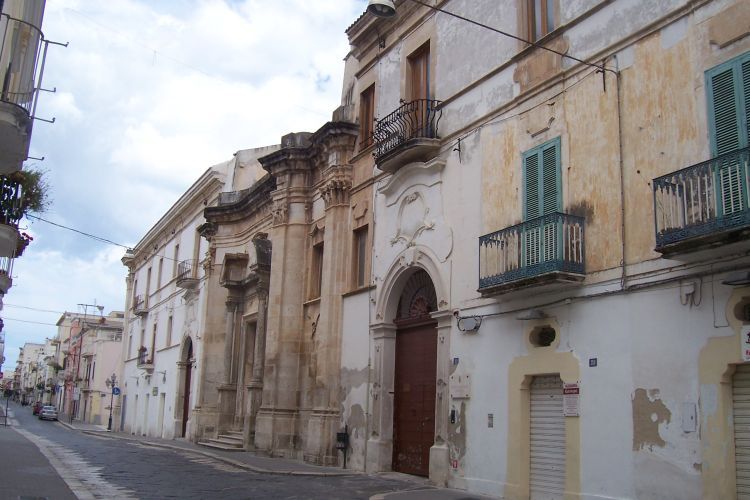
x=236 y=463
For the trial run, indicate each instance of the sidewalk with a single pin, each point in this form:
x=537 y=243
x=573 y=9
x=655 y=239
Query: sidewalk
x=415 y=488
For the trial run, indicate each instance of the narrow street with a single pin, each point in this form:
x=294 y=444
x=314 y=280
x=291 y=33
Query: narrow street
x=43 y=459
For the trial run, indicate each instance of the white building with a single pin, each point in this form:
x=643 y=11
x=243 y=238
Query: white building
x=556 y=312
x=165 y=302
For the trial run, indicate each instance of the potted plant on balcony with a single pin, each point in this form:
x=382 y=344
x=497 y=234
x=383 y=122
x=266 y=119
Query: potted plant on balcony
x=21 y=193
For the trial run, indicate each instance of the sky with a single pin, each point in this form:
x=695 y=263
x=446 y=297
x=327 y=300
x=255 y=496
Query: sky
x=149 y=94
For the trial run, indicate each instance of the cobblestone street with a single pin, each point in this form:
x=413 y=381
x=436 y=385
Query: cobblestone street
x=99 y=466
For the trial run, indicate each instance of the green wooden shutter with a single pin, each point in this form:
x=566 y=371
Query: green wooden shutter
x=542 y=196
x=541 y=168
x=728 y=89
x=531 y=208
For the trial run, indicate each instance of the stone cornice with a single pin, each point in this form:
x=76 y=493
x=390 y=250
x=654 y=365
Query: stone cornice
x=252 y=200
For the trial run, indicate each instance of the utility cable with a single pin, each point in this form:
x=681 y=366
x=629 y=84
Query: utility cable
x=88 y=235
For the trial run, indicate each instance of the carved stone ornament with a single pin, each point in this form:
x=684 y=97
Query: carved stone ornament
x=280 y=212
x=338 y=182
x=412 y=219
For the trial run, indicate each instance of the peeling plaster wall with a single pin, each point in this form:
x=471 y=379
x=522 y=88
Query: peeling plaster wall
x=354 y=375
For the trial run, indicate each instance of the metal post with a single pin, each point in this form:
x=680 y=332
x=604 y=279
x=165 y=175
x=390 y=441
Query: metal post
x=111 y=383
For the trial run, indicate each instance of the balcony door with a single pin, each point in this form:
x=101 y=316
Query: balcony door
x=542 y=196
x=728 y=94
x=419 y=92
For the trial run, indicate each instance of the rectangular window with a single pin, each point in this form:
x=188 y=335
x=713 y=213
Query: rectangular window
x=152 y=353
x=130 y=346
x=728 y=90
x=175 y=260
x=728 y=93
x=542 y=196
x=541 y=18
x=148 y=284
x=316 y=271
x=419 y=73
x=135 y=293
x=169 y=332
x=366 y=116
x=541 y=173
x=159 y=273
x=360 y=257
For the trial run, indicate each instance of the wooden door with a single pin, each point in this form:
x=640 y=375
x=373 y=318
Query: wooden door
x=186 y=398
x=414 y=399
x=419 y=92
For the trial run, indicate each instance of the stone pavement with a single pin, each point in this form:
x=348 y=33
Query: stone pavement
x=259 y=463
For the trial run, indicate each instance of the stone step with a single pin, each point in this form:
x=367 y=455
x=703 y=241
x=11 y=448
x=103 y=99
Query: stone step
x=227 y=441
x=213 y=443
x=233 y=433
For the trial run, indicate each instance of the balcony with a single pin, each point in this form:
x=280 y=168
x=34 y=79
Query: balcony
x=11 y=211
x=408 y=134
x=704 y=205
x=145 y=362
x=6 y=271
x=140 y=305
x=20 y=76
x=187 y=274
x=546 y=250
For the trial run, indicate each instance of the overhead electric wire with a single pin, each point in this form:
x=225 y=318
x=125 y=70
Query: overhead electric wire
x=33 y=308
x=28 y=321
x=89 y=235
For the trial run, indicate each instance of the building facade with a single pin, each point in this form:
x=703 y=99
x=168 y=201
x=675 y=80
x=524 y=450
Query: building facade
x=558 y=239
x=165 y=335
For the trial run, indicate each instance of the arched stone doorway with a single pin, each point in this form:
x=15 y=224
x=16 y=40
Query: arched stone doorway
x=412 y=308
x=415 y=377
x=185 y=374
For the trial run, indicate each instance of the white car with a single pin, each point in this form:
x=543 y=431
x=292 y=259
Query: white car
x=48 y=413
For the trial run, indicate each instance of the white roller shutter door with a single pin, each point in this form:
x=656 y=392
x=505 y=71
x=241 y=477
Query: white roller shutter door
x=741 y=405
x=547 y=468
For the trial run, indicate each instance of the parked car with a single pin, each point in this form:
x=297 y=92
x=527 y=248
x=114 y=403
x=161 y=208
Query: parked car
x=36 y=408
x=48 y=413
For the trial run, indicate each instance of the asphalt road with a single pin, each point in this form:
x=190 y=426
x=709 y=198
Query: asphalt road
x=100 y=467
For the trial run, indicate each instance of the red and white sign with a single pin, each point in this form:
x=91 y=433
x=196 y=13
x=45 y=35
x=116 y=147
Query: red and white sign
x=745 y=343
x=571 y=401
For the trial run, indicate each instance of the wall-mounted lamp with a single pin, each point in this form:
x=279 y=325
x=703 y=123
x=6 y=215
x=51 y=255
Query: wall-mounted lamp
x=468 y=323
x=531 y=314
x=381 y=8
x=163 y=376
x=741 y=278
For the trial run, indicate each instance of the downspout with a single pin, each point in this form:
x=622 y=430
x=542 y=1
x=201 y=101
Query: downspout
x=623 y=276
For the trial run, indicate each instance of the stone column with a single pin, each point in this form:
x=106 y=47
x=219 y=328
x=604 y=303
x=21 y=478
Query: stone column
x=380 y=441
x=227 y=390
x=439 y=452
x=325 y=418
x=255 y=388
x=239 y=407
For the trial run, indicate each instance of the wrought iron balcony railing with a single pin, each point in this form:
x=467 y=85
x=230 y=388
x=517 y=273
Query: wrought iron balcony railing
x=20 y=51
x=11 y=201
x=553 y=243
x=416 y=119
x=187 y=274
x=702 y=200
x=140 y=304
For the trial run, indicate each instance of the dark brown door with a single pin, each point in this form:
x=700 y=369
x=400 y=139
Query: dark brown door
x=419 y=89
x=414 y=399
x=186 y=399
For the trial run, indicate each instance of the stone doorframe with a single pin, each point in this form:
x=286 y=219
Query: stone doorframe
x=383 y=338
x=183 y=364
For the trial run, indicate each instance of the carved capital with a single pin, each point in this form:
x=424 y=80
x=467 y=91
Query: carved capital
x=337 y=185
x=207 y=230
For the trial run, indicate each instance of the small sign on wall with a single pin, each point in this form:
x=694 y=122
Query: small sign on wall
x=571 y=400
x=745 y=343
x=154 y=391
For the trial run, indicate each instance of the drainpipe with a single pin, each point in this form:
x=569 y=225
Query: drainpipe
x=624 y=275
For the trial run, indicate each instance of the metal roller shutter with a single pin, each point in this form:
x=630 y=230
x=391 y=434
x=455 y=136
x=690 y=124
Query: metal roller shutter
x=547 y=468
x=741 y=404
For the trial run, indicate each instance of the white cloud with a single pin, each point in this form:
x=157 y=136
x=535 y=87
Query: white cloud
x=150 y=94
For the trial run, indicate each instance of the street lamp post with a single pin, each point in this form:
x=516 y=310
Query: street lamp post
x=112 y=384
